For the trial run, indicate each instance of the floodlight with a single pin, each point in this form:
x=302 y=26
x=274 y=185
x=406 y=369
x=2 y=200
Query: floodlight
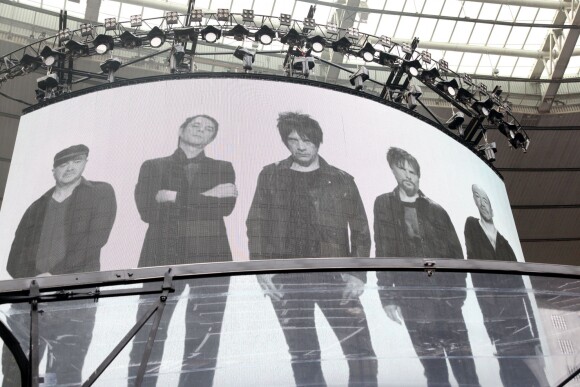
x=520 y=140
x=407 y=49
x=239 y=32
x=495 y=117
x=443 y=64
x=304 y=64
x=352 y=33
x=77 y=48
x=184 y=34
x=449 y=87
x=210 y=34
x=129 y=40
x=387 y=59
x=412 y=67
x=246 y=55
x=488 y=150
x=223 y=14
x=332 y=28
x=47 y=82
x=508 y=130
x=285 y=19
x=367 y=52
x=430 y=75
x=456 y=121
x=483 y=108
x=86 y=29
x=50 y=55
x=110 y=24
x=342 y=45
x=103 y=43
x=30 y=62
x=248 y=15
x=316 y=43
x=265 y=35
x=292 y=38
x=171 y=17
x=156 y=37
x=196 y=15
x=464 y=95
x=64 y=35
x=136 y=21
x=309 y=22
x=110 y=66
x=359 y=77
x=426 y=56
x=386 y=41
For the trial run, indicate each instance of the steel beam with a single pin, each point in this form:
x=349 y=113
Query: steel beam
x=547 y=4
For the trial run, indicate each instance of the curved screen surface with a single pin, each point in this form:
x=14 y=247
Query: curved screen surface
x=135 y=211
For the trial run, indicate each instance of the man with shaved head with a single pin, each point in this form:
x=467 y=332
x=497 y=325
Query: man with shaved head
x=508 y=317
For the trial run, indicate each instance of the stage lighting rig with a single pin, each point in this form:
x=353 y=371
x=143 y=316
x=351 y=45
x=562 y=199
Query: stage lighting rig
x=456 y=122
x=332 y=28
x=450 y=87
x=211 y=34
x=517 y=137
x=495 y=117
x=247 y=57
x=359 y=77
x=129 y=40
x=265 y=35
x=285 y=19
x=30 y=63
x=386 y=41
x=292 y=38
x=76 y=48
x=86 y=29
x=223 y=14
x=429 y=76
x=316 y=43
x=110 y=24
x=248 y=15
x=103 y=44
x=196 y=15
x=156 y=37
x=47 y=87
x=412 y=67
x=483 y=108
x=171 y=17
x=464 y=96
x=50 y=56
x=367 y=53
x=136 y=21
x=109 y=67
x=183 y=34
x=488 y=150
x=387 y=59
x=64 y=35
x=342 y=45
x=239 y=32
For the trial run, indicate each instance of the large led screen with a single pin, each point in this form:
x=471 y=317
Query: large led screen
x=205 y=170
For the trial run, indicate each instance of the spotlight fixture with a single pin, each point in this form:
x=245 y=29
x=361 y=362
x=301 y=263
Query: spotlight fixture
x=210 y=34
x=359 y=77
x=450 y=87
x=386 y=41
x=412 y=67
x=86 y=29
x=110 y=24
x=520 y=141
x=292 y=38
x=156 y=37
x=367 y=52
x=239 y=32
x=495 y=117
x=285 y=19
x=430 y=75
x=77 y=48
x=171 y=17
x=246 y=55
x=248 y=15
x=316 y=43
x=407 y=49
x=110 y=66
x=342 y=45
x=426 y=56
x=30 y=63
x=48 y=82
x=196 y=15
x=50 y=56
x=304 y=64
x=223 y=14
x=387 y=59
x=488 y=150
x=64 y=35
x=103 y=44
x=183 y=34
x=332 y=28
x=136 y=21
x=265 y=35
x=353 y=33
x=456 y=121
x=443 y=64
x=129 y=40
x=464 y=95
x=483 y=108
x=411 y=95
x=507 y=129
x=310 y=23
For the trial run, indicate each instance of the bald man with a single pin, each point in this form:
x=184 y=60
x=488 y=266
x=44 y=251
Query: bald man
x=507 y=316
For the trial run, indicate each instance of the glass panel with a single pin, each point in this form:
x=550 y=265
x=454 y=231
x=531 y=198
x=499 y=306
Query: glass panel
x=217 y=4
x=517 y=37
x=443 y=31
x=433 y=7
x=480 y=34
x=128 y=10
x=406 y=27
x=239 y=5
x=109 y=9
x=425 y=29
x=461 y=32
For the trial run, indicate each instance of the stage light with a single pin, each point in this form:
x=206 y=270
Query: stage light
x=316 y=43
x=309 y=23
x=177 y=55
x=223 y=14
x=353 y=33
x=110 y=24
x=430 y=75
x=50 y=55
x=136 y=21
x=77 y=48
x=156 y=37
x=239 y=32
x=412 y=67
x=449 y=87
x=456 y=121
x=332 y=28
x=86 y=29
x=129 y=40
x=488 y=150
x=292 y=38
x=110 y=66
x=171 y=17
x=495 y=117
x=387 y=59
x=483 y=108
x=248 y=15
x=183 y=34
x=411 y=95
x=342 y=45
x=386 y=41
x=464 y=95
x=246 y=55
x=443 y=65
x=508 y=130
x=48 y=82
x=303 y=64
x=210 y=34
x=103 y=43
x=285 y=19
x=196 y=15
x=265 y=35
x=520 y=141
x=367 y=53
x=30 y=62
x=426 y=56
x=64 y=35
x=359 y=77
x=407 y=49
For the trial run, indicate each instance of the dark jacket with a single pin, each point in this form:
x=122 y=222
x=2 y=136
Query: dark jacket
x=339 y=207
x=88 y=223
x=191 y=229
x=439 y=240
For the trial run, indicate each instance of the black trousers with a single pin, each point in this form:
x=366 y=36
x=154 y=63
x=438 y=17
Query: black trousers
x=295 y=312
x=203 y=322
x=65 y=328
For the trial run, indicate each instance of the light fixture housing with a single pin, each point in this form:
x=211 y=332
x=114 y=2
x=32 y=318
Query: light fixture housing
x=450 y=87
x=103 y=43
x=129 y=40
x=76 y=48
x=292 y=38
x=342 y=45
x=412 y=67
x=223 y=14
x=136 y=21
x=246 y=55
x=359 y=77
x=211 y=34
x=239 y=32
x=183 y=34
x=367 y=53
x=50 y=56
x=156 y=37
x=316 y=43
x=110 y=24
x=265 y=35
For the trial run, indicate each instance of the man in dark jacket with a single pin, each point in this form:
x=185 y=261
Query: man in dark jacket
x=62 y=232
x=408 y=224
x=305 y=208
x=507 y=316
x=184 y=199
